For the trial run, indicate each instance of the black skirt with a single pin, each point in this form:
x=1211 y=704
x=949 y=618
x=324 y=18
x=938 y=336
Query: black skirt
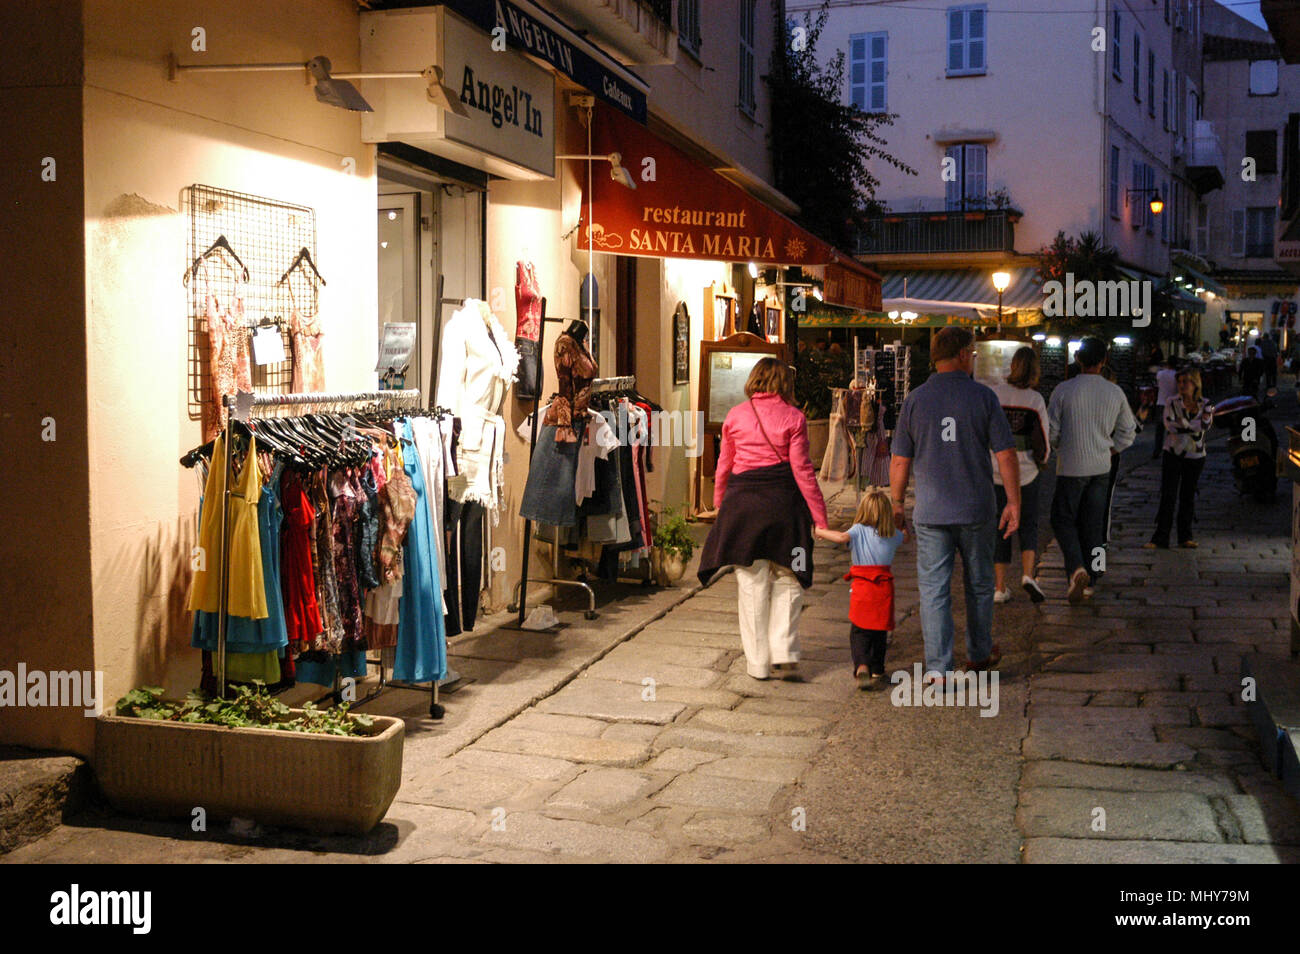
x=763 y=517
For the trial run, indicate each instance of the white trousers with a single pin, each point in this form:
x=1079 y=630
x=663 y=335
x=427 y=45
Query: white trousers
x=770 y=600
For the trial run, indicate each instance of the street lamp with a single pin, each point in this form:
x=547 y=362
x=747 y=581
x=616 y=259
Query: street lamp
x=1157 y=204
x=1001 y=280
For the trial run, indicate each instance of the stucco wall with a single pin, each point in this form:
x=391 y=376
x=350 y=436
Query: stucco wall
x=146 y=140
x=45 y=548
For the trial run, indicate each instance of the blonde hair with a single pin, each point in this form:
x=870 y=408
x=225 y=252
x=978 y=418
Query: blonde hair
x=1195 y=377
x=770 y=375
x=877 y=511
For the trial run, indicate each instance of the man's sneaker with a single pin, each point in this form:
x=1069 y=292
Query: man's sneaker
x=1078 y=583
x=1033 y=589
x=1002 y=596
x=995 y=657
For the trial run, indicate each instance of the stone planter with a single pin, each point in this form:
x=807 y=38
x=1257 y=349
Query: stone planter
x=322 y=783
x=668 y=568
x=819 y=435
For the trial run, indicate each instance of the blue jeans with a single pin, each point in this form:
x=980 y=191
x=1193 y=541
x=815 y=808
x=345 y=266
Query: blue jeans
x=935 y=546
x=1079 y=520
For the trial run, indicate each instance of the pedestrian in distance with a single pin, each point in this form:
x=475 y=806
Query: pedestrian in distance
x=768 y=501
x=1166 y=388
x=873 y=540
x=1268 y=352
x=1188 y=417
x=1026 y=413
x=1252 y=372
x=1089 y=422
x=945 y=431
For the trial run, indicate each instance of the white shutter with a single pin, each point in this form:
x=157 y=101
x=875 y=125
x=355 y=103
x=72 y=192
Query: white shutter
x=956 y=40
x=976 y=167
x=1238 y=233
x=877 y=61
x=952 y=187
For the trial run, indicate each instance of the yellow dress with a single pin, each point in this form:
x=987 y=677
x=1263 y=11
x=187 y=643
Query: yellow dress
x=247 y=596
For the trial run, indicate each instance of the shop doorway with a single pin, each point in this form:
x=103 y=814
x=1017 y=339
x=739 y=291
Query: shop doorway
x=399 y=277
x=625 y=315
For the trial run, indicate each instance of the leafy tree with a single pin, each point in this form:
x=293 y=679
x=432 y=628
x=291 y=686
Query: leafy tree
x=822 y=147
x=1087 y=258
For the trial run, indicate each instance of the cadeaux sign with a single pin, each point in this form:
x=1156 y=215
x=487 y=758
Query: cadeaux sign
x=683 y=209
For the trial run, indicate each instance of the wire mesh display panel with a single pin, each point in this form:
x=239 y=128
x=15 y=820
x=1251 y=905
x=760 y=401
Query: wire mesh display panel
x=267 y=236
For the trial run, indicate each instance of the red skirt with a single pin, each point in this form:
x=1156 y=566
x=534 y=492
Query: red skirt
x=871 y=600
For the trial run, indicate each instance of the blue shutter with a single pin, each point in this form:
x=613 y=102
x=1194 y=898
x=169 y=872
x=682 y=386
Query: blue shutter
x=876 y=75
x=975 y=39
x=956 y=40
x=952 y=188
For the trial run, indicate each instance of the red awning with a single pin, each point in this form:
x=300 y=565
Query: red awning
x=683 y=209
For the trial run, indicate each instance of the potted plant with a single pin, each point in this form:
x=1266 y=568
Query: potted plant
x=816 y=374
x=673 y=546
x=248 y=756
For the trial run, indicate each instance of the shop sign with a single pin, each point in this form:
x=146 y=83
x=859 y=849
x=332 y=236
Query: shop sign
x=682 y=209
x=535 y=32
x=509 y=126
x=850 y=289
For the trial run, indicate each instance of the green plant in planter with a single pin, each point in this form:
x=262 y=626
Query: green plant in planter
x=672 y=534
x=248 y=707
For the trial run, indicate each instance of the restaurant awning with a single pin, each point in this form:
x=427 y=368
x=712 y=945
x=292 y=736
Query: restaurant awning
x=964 y=288
x=1197 y=278
x=683 y=209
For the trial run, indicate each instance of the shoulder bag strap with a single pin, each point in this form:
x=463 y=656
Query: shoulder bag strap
x=753 y=407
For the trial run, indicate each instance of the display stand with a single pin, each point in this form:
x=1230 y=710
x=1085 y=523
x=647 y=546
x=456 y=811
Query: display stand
x=236 y=409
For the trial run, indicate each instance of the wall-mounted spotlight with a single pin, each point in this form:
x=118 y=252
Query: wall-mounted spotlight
x=617 y=171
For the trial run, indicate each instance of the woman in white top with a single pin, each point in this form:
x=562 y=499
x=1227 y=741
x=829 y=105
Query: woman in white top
x=1027 y=414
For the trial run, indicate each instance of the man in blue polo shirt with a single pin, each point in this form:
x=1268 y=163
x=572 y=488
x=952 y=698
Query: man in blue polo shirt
x=945 y=432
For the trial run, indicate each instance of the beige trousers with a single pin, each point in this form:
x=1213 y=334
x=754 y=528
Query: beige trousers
x=770 y=600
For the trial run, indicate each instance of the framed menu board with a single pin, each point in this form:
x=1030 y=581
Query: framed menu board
x=724 y=370
x=681 y=345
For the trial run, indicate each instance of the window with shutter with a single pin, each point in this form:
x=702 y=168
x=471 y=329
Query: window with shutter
x=1238 y=232
x=952 y=186
x=1261 y=145
x=1259 y=232
x=1164 y=102
x=967 y=40
x=1164 y=215
x=1114 y=182
x=1151 y=83
x=1202 y=229
x=746 y=98
x=876 y=68
x=974 y=188
x=1135 y=205
x=1137 y=67
x=1147 y=197
x=1116 y=61
x=858 y=70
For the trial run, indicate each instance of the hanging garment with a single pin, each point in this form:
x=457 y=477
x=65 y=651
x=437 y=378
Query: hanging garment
x=247 y=587
x=528 y=330
x=307 y=341
x=599 y=442
x=298 y=577
x=367 y=536
x=323 y=669
x=344 y=549
x=327 y=588
x=245 y=635
x=552 y=478
x=478 y=366
x=756 y=321
x=464 y=563
x=421 y=635
x=575 y=369
x=230 y=367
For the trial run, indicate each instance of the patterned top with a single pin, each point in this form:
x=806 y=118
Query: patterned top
x=1185 y=433
x=575 y=369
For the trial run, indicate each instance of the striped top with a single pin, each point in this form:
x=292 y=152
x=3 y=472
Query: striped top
x=1087 y=418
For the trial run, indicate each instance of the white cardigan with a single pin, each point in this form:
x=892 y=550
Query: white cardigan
x=475 y=374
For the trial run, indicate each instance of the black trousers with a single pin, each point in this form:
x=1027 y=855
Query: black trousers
x=1178 y=479
x=464 y=550
x=868 y=648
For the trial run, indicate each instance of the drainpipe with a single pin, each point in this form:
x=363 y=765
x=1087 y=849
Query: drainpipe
x=1100 y=6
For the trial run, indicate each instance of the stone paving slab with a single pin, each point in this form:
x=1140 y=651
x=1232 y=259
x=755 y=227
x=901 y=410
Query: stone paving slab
x=687 y=656
x=1266 y=819
x=578 y=839
x=603 y=790
x=681 y=760
x=537 y=721
x=717 y=828
x=1075 y=746
x=1072 y=813
x=1056 y=851
x=776 y=746
x=569 y=748
x=1108 y=663
x=1102 y=682
x=512 y=763
x=1039 y=774
x=780 y=771
x=465 y=788
x=740 y=721
x=611 y=701
x=713 y=698
x=711 y=791
x=677 y=633
x=635 y=672
x=1103 y=715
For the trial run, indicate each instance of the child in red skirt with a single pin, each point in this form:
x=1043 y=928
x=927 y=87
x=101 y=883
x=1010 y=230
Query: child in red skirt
x=873 y=540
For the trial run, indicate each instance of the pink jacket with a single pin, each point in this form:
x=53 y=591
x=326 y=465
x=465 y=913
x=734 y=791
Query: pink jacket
x=744 y=447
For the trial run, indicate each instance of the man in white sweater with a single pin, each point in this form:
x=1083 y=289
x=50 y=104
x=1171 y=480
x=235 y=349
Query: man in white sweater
x=1089 y=420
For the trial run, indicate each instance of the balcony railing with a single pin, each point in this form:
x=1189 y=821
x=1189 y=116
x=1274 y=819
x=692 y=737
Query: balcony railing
x=1205 y=166
x=980 y=230
x=635 y=31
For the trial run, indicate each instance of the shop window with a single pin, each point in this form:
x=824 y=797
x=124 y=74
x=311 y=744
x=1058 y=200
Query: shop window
x=746 y=97
x=867 y=70
x=967 y=40
x=968 y=188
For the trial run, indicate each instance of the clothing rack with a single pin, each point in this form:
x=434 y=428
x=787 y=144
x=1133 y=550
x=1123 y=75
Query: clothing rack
x=236 y=408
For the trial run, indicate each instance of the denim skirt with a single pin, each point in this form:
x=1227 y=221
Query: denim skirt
x=552 y=482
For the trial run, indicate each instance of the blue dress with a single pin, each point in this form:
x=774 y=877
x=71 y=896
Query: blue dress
x=421 y=632
x=244 y=635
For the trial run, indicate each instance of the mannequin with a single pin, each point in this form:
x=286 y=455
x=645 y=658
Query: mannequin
x=577 y=330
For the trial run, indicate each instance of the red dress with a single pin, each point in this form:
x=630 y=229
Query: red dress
x=871 y=600
x=297 y=579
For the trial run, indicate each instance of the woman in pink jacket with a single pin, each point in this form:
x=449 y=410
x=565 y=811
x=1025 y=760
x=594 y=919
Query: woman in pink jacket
x=768 y=501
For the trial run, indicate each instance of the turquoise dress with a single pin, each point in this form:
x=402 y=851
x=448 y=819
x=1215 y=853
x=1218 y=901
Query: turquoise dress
x=255 y=636
x=421 y=632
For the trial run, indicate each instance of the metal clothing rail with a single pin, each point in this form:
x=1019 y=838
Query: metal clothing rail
x=233 y=405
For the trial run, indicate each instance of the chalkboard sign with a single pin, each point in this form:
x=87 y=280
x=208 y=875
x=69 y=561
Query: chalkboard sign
x=1052 y=363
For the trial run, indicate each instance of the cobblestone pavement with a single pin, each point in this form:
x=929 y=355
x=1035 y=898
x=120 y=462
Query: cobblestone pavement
x=659 y=748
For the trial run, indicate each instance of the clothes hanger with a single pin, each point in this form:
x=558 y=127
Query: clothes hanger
x=303 y=256
x=220 y=245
